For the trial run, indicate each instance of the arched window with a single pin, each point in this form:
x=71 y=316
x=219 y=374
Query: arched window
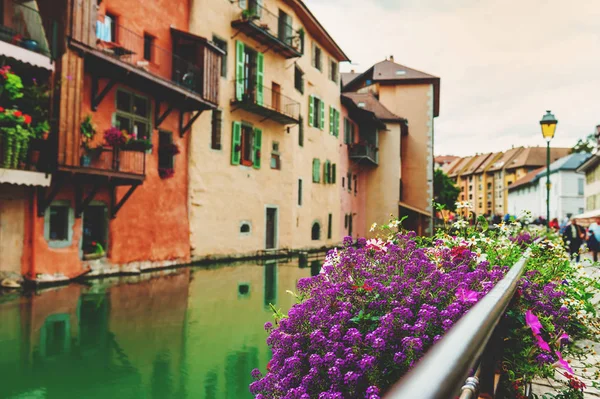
x=245 y=228
x=316 y=231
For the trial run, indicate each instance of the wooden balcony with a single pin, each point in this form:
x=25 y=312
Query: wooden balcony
x=269 y=29
x=268 y=103
x=118 y=163
x=364 y=152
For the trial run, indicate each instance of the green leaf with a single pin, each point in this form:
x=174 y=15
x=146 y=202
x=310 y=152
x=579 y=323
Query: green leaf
x=483 y=222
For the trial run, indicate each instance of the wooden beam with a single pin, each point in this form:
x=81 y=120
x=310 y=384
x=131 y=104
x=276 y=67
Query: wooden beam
x=184 y=129
x=98 y=97
x=116 y=206
x=42 y=201
x=81 y=204
x=158 y=118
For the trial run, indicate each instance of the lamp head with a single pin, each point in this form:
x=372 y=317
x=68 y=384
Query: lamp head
x=548 y=124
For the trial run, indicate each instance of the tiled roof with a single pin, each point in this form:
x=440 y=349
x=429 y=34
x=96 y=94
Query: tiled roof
x=348 y=77
x=570 y=162
x=369 y=102
x=479 y=159
x=449 y=167
x=389 y=70
x=505 y=159
x=489 y=161
x=528 y=178
x=460 y=166
x=536 y=156
x=445 y=159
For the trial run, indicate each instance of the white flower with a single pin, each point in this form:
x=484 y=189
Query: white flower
x=373 y=226
x=460 y=224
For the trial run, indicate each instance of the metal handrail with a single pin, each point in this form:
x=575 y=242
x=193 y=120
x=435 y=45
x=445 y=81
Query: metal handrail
x=271 y=99
x=442 y=372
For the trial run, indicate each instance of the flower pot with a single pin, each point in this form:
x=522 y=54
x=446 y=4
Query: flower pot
x=30 y=44
x=86 y=161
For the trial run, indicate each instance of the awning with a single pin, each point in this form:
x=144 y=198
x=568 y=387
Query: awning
x=414 y=209
x=24 y=177
x=27 y=56
x=589 y=214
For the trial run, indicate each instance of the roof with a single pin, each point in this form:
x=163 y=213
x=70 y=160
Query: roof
x=389 y=72
x=591 y=162
x=570 y=162
x=370 y=103
x=488 y=162
x=449 y=167
x=464 y=162
x=348 y=77
x=445 y=159
x=314 y=27
x=536 y=156
x=505 y=159
x=477 y=161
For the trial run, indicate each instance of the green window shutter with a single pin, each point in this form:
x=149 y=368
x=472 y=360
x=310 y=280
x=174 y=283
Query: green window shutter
x=311 y=111
x=326 y=172
x=236 y=142
x=331 y=124
x=322 y=115
x=257 y=145
x=260 y=65
x=337 y=123
x=239 y=70
x=333 y=174
x=316 y=170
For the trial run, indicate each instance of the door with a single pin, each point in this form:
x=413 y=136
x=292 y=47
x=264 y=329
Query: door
x=12 y=228
x=271 y=239
x=276 y=94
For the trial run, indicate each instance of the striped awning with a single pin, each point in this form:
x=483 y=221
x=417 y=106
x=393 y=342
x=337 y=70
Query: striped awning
x=24 y=177
x=27 y=56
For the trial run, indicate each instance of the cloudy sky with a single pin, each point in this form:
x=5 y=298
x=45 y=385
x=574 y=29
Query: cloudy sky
x=502 y=63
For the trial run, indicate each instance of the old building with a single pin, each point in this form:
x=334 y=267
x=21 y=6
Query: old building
x=414 y=96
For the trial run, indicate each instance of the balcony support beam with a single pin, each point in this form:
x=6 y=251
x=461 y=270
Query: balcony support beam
x=116 y=206
x=158 y=117
x=184 y=128
x=97 y=97
x=42 y=201
x=82 y=203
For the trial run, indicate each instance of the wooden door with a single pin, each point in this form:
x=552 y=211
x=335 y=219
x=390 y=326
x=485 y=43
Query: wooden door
x=12 y=228
x=276 y=93
x=271 y=239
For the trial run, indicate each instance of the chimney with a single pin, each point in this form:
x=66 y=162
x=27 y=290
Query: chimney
x=392 y=58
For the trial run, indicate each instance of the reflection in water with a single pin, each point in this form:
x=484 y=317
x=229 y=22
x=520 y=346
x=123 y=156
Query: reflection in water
x=185 y=333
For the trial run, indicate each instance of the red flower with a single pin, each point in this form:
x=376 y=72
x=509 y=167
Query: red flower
x=1 y=109
x=367 y=287
x=18 y=113
x=269 y=366
x=27 y=119
x=94 y=243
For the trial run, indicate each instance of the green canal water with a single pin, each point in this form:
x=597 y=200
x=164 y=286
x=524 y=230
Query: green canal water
x=182 y=333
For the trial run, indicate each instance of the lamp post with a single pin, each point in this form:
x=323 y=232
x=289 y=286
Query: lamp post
x=548 y=124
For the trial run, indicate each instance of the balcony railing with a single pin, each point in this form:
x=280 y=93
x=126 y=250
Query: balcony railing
x=201 y=77
x=270 y=29
x=364 y=151
x=111 y=162
x=266 y=102
x=21 y=24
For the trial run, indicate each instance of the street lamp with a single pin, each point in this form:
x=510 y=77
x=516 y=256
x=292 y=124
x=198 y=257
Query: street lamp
x=548 y=123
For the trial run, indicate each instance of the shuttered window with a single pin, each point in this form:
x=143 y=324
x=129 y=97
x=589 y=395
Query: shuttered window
x=216 y=127
x=246 y=144
x=316 y=165
x=301 y=131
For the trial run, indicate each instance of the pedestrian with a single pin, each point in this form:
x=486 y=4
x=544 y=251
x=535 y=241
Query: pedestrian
x=593 y=241
x=554 y=224
x=573 y=237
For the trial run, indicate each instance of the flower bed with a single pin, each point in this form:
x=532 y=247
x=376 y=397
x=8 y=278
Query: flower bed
x=379 y=305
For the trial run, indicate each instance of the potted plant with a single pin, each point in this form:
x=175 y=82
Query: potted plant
x=134 y=144
x=115 y=137
x=88 y=131
x=16 y=133
x=97 y=251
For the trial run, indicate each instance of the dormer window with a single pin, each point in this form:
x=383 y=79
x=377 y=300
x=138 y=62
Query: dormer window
x=400 y=72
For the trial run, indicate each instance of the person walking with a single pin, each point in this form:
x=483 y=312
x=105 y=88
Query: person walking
x=573 y=237
x=554 y=224
x=593 y=240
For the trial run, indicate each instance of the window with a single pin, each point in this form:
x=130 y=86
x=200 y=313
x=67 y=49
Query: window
x=95 y=230
x=133 y=114
x=470 y=178
x=249 y=74
x=107 y=30
x=245 y=228
x=316 y=112
x=216 y=126
x=346 y=221
x=275 y=159
x=222 y=44
x=298 y=79
x=349 y=178
x=329 y=226
x=299 y=192
x=316 y=169
x=343 y=181
x=317 y=61
x=326 y=172
x=509 y=182
x=245 y=145
x=315 y=233
x=334 y=122
x=166 y=150
x=333 y=175
x=284 y=29
x=333 y=70
x=355 y=184
x=580 y=187
x=58 y=224
x=148 y=46
x=301 y=131
x=348 y=131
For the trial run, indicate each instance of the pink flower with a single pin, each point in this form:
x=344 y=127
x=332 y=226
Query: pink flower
x=466 y=295
x=376 y=244
x=562 y=362
x=541 y=343
x=533 y=322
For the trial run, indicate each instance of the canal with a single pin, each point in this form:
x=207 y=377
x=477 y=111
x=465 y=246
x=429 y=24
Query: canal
x=181 y=333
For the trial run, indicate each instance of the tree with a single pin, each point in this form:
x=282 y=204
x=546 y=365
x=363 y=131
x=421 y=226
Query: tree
x=444 y=190
x=587 y=144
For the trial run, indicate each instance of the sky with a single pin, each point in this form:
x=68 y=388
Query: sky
x=502 y=63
